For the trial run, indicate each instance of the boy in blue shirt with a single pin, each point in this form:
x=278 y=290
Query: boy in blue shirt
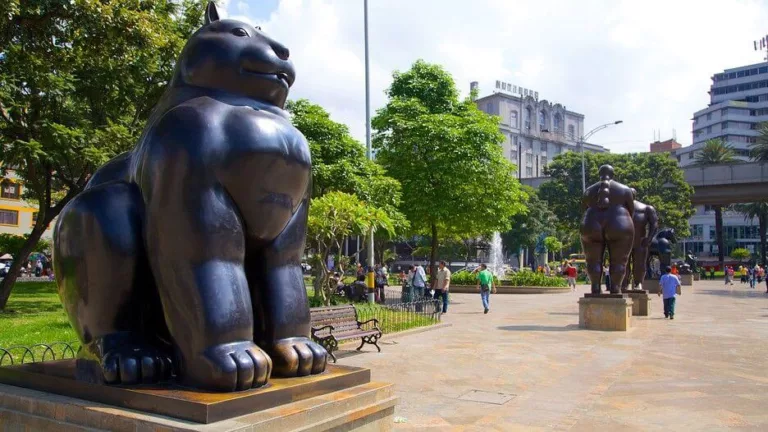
x=669 y=284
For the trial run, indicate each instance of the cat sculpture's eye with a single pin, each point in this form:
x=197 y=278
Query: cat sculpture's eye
x=241 y=32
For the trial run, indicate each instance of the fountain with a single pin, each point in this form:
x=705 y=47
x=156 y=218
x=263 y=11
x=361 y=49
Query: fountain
x=496 y=264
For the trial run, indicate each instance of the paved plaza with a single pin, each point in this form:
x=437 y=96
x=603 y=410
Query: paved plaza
x=706 y=370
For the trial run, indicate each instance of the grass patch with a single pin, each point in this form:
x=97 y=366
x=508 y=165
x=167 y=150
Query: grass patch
x=34 y=315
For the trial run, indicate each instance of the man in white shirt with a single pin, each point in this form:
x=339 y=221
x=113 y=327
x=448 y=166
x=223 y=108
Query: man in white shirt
x=669 y=284
x=443 y=283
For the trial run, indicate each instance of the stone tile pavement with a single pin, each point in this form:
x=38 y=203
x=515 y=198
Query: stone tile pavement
x=706 y=370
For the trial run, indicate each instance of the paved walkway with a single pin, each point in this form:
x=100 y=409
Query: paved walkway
x=706 y=370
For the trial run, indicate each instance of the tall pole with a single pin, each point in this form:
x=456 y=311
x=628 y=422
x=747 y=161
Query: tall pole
x=369 y=149
x=583 y=170
x=582 y=140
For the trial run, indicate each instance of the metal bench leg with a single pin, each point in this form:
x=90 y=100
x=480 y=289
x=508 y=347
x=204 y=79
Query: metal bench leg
x=362 y=342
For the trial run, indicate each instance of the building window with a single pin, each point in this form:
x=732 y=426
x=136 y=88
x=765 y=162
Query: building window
x=528 y=159
x=513 y=156
x=709 y=129
x=9 y=217
x=724 y=111
x=529 y=171
x=544 y=147
x=513 y=119
x=542 y=120
x=543 y=162
x=558 y=120
x=691 y=155
x=725 y=125
x=528 y=115
x=10 y=190
x=709 y=116
x=571 y=132
x=489 y=108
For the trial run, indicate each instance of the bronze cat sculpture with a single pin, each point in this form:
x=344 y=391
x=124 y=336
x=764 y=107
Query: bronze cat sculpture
x=183 y=256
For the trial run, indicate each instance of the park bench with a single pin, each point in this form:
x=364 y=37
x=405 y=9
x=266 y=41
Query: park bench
x=333 y=324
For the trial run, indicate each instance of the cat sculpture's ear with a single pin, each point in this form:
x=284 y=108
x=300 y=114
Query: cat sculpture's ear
x=211 y=14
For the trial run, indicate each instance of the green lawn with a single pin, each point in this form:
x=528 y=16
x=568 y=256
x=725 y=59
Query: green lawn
x=35 y=315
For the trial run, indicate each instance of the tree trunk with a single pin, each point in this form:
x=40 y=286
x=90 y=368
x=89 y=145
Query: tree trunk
x=719 y=234
x=762 y=225
x=433 y=258
x=18 y=261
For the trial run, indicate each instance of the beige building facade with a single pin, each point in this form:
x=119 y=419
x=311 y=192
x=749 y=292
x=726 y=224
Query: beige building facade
x=16 y=215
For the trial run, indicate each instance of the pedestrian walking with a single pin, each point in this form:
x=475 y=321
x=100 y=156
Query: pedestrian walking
x=607 y=277
x=420 y=282
x=443 y=284
x=570 y=274
x=381 y=283
x=730 y=275
x=712 y=273
x=669 y=289
x=485 y=285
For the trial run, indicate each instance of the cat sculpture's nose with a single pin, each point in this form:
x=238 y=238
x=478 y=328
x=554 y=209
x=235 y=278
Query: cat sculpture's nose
x=280 y=50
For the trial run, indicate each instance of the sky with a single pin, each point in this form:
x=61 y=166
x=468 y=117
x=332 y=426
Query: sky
x=648 y=63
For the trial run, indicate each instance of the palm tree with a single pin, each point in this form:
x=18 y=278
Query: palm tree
x=715 y=152
x=759 y=149
x=757 y=210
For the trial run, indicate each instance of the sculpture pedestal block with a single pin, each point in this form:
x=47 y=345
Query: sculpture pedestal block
x=343 y=398
x=686 y=280
x=641 y=302
x=605 y=312
x=652 y=286
x=697 y=276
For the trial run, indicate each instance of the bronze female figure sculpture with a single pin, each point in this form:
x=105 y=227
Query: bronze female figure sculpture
x=184 y=254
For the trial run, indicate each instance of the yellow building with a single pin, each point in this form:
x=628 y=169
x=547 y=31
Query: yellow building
x=16 y=215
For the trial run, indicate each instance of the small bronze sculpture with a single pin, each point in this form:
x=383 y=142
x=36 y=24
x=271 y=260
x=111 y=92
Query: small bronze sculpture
x=661 y=246
x=189 y=247
x=607 y=223
x=646 y=224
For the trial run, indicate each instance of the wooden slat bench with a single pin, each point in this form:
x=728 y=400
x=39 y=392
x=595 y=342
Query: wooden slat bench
x=333 y=324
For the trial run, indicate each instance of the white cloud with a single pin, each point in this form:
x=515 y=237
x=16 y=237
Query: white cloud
x=648 y=63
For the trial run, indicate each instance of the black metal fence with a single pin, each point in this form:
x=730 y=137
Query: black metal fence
x=398 y=316
x=19 y=354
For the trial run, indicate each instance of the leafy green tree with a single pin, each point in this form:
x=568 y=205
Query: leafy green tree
x=447 y=156
x=715 y=152
x=740 y=254
x=528 y=226
x=339 y=164
x=759 y=149
x=553 y=245
x=13 y=244
x=657 y=178
x=78 y=79
x=332 y=217
x=758 y=210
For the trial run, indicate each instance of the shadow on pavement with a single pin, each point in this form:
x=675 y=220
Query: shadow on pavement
x=732 y=293
x=570 y=327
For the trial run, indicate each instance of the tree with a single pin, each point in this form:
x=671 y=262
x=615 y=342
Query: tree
x=333 y=217
x=553 y=245
x=13 y=244
x=77 y=81
x=740 y=254
x=339 y=164
x=657 y=178
x=715 y=152
x=526 y=227
x=757 y=210
x=447 y=156
x=759 y=149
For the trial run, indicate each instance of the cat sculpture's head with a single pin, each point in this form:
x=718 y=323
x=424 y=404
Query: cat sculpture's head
x=238 y=58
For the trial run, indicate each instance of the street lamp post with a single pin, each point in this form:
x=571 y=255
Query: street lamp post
x=369 y=149
x=582 y=140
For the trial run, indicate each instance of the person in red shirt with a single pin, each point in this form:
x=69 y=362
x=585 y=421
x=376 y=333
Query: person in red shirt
x=570 y=273
x=674 y=270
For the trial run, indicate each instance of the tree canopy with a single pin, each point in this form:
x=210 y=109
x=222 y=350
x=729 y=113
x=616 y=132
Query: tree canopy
x=78 y=79
x=656 y=176
x=715 y=151
x=447 y=156
x=526 y=227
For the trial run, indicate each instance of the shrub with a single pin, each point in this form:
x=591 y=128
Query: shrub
x=529 y=278
x=464 y=277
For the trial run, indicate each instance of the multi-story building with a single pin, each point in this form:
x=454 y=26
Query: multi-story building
x=534 y=131
x=16 y=215
x=665 y=146
x=738 y=104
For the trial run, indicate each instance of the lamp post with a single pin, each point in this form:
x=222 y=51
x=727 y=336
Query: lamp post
x=582 y=140
x=369 y=149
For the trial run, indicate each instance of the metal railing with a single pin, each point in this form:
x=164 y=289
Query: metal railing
x=398 y=316
x=20 y=354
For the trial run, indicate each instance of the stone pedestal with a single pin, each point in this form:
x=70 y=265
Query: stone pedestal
x=697 y=276
x=605 y=312
x=686 y=279
x=641 y=302
x=652 y=286
x=342 y=398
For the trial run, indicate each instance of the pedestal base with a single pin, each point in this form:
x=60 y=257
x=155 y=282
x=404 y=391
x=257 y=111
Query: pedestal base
x=341 y=399
x=686 y=280
x=652 y=286
x=641 y=302
x=605 y=313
